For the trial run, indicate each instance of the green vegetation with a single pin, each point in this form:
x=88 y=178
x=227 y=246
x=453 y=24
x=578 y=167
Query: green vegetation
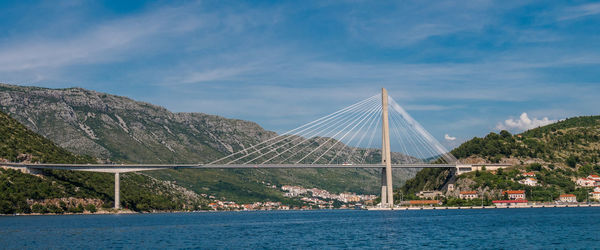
x=128 y=131
x=568 y=150
x=17 y=143
x=456 y=202
x=26 y=193
x=574 y=141
x=426 y=179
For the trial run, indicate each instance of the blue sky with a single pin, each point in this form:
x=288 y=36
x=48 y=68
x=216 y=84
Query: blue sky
x=461 y=68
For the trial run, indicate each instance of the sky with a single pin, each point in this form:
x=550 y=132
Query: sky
x=460 y=68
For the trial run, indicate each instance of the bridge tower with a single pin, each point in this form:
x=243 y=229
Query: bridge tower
x=387 y=193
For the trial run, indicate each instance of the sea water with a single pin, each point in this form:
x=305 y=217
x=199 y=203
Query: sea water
x=324 y=229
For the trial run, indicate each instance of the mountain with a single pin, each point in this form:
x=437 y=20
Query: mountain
x=557 y=154
x=119 y=129
x=59 y=191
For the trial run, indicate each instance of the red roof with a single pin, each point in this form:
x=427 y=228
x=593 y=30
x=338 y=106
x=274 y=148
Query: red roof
x=567 y=195
x=510 y=201
x=514 y=192
x=420 y=202
x=529 y=173
x=468 y=192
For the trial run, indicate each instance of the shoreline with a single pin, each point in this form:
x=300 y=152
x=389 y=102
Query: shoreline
x=366 y=209
x=481 y=207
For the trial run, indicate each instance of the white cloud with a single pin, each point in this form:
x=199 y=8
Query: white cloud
x=449 y=138
x=580 y=11
x=524 y=123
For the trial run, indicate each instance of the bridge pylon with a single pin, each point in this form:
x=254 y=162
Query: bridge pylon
x=387 y=191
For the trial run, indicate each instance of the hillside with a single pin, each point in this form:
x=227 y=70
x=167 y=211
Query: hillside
x=17 y=144
x=119 y=129
x=557 y=154
x=572 y=141
x=68 y=191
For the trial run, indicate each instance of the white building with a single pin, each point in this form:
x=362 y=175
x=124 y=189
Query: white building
x=515 y=194
x=468 y=195
x=529 y=182
x=428 y=194
x=510 y=203
x=567 y=198
x=595 y=196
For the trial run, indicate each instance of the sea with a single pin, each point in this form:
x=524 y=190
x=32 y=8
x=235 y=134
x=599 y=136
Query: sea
x=526 y=228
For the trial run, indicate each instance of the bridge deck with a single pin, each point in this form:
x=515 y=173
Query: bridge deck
x=146 y=167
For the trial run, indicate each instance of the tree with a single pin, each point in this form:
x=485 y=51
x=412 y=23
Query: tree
x=535 y=167
x=571 y=161
x=505 y=134
x=585 y=170
x=91 y=208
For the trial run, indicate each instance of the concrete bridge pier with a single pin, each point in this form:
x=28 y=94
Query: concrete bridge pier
x=384 y=197
x=117 y=191
x=387 y=192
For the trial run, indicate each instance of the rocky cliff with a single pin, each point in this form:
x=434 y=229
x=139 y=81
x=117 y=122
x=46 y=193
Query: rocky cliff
x=115 y=128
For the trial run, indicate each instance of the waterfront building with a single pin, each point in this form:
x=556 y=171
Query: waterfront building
x=595 y=196
x=468 y=195
x=515 y=194
x=567 y=198
x=424 y=202
x=510 y=203
x=429 y=194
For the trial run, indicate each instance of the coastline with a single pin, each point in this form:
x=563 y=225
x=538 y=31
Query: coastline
x=482 y=207
x=366 y=209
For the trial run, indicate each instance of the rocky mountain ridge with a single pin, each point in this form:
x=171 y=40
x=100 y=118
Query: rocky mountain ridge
x=115 y=128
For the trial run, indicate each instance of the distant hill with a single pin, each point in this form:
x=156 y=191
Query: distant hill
x=60 y=191
x=119 y=129
x=574 y=141
x=558 y=153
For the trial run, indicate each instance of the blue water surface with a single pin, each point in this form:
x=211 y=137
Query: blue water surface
x=491 y=228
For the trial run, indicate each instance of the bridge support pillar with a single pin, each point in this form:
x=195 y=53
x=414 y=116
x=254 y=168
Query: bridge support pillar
x=117 y=191
x=384 y=197
x=386 y=157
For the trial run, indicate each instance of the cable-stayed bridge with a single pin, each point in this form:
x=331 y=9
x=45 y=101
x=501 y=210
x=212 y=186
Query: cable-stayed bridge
x=361 y=135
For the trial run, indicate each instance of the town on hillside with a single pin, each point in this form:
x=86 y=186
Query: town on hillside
x=528 y=186
x=307 y=199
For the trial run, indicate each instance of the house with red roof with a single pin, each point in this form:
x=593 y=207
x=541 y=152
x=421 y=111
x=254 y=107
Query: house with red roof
x=468 y=195
x=510 y=203
x=594 y=177
x=567 y=198
x=424 y=202
x=585 y=182
x=595 y=196
x=515 y=194
x=528 y=174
